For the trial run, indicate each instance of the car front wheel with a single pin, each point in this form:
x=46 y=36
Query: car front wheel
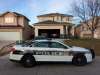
x=28 y=61
x=79 y=60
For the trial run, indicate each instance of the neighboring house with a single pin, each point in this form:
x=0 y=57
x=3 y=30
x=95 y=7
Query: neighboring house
x=14 y=26
x=83 y=31
x=53 y=25
x=77 y=30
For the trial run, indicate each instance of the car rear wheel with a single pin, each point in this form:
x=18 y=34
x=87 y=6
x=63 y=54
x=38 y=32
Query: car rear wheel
x=28 y=61
x=79 y=60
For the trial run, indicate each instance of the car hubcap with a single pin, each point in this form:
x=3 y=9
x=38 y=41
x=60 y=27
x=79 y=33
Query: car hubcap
x=28 y=61
x=79 y=59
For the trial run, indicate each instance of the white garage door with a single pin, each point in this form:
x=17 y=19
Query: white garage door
x=10 y=36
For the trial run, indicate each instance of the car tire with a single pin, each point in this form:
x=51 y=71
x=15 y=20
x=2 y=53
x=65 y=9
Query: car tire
x=28 y=61
x=79 y=60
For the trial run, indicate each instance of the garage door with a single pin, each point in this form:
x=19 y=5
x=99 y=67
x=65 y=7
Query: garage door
x=50 y=33
x=10 y=36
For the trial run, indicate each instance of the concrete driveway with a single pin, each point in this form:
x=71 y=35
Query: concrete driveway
x=5 y=47
x=4 y=43
x=9 y=68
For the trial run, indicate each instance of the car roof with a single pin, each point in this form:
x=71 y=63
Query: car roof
x=52 y=40
x=44 y=40
x=49 y=40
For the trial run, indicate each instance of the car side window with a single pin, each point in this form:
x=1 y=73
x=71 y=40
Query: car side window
x=57 y=45
x=41 y=44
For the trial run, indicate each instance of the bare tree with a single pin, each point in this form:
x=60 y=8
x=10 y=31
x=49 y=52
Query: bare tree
x=88 y=11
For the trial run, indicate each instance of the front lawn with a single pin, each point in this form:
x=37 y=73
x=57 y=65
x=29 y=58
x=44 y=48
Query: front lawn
x=87 y=43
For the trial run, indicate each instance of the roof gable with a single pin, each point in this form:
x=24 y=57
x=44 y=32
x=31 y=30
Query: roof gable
x=52 y=23
x=14 y=13
x=7 y=13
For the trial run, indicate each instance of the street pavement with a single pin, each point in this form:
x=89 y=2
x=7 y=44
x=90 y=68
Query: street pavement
x=9 y=68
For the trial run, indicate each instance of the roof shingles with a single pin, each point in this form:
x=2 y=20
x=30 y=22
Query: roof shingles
x=51 y=23
x=53 y=14
x=17 y=14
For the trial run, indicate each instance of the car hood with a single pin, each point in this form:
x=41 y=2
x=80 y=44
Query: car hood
x=80 y=49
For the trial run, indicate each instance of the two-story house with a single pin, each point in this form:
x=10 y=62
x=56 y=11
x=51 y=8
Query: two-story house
x=14 y=26
x=53 y=25
x=83 y=30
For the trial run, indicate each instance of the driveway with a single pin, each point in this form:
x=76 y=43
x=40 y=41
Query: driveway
x=5 y=47
x=9 y=68
x=4 y=43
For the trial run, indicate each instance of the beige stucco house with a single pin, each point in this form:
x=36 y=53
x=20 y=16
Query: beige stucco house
x=83 y=31
x=53 y=25
x=14 y=26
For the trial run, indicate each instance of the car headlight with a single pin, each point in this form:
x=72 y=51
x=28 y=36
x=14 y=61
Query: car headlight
x=17 y=52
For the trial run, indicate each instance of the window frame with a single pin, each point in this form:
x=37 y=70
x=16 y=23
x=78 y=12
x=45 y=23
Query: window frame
x=9 y=19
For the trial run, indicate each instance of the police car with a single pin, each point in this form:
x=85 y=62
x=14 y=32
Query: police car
x=29 y=53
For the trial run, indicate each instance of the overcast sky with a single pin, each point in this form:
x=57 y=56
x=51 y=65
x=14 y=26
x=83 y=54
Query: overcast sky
x=33 y=8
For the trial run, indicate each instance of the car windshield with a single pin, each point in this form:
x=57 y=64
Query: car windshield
x=24 y=43
x=50 y=44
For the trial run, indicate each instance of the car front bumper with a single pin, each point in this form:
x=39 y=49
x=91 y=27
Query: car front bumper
x=15 y=57
x=89 y=57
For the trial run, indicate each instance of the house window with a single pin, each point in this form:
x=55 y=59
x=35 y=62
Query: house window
x=9 y=19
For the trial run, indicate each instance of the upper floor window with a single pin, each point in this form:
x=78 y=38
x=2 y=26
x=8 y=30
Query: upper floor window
x=9 y=19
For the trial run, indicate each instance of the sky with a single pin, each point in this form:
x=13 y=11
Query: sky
x=33 y=8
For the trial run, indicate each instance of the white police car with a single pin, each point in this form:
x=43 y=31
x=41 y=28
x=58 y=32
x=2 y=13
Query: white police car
x=29 y=53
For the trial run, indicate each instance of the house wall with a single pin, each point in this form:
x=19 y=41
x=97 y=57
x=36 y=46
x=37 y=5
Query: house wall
x=72 y=31
x=21 y=21
x=97 y=33
x=2 y=20
x=55 y=18
x=27 y=31
x=84 y=32
x=45 y=18
x=18 y=20
x=77 y=31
